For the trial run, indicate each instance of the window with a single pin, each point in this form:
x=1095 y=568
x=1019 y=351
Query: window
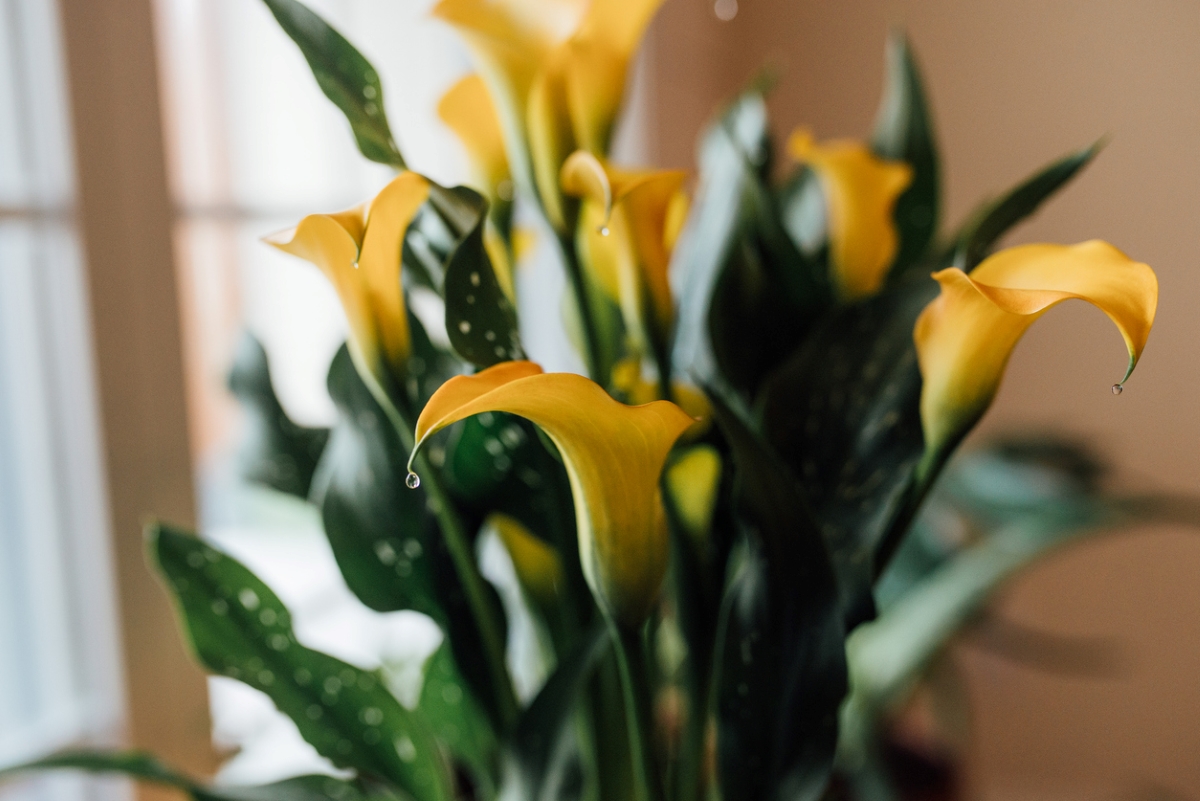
x=59 y=665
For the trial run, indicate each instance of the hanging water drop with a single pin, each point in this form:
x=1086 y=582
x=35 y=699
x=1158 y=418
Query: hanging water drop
x=412 y=480
x=1117 y=389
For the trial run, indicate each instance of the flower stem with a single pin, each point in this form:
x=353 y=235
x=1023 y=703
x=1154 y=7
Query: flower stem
x=579 y=288
x=631 y=658
x=458 y=544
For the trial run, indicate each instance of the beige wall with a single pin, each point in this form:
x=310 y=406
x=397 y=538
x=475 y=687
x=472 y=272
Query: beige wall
x=1015 y=84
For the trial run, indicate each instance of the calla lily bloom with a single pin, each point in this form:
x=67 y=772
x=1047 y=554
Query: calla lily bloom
x=359 y=252
x=860 y=194
x=614 y=455
x=536 y=564
x=629 y=226
x=965 y=336
x=556 y=69
x=467 y=109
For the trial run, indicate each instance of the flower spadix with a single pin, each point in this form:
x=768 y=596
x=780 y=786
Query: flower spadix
x=359 y=252
x=614 y=455
x=860 y=195
x=628 y=229
x=965 y=336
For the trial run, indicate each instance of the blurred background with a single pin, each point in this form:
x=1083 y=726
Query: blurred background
x=147 y=145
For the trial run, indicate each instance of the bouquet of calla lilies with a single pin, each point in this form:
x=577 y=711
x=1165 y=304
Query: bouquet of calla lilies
x=780 y=357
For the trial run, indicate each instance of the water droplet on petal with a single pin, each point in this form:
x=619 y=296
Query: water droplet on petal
x=356 y=264
x=412 y=480
x=1117 y=389
x=603 y=230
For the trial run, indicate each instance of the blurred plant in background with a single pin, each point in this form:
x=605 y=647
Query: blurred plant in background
x=730 y=593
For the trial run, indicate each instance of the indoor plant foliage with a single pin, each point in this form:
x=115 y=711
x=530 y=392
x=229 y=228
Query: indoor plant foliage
x=774 y=383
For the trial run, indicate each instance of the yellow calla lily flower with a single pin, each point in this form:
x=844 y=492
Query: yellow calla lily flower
x=467 y=109
x=359 y=252
x=693 y=480
x=614 y=455
x=557 y=71
x=632 y=218
x=965 y=336
x=536 y=564
x=860 y=195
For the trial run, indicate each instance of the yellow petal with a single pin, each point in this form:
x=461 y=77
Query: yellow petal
x=550 y=138
x=644 y=198
x=965 y=336
x=860 y=193
x=359 y=251
x=498 y=252
x=692 y=480
x=468 y=110
x=597 y=63
x=536 y=564
x=614 y=455
x=510 y=41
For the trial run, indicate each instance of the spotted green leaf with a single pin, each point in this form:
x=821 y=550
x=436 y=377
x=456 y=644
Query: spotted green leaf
x=237 y=627
x=344 y=75
x=458 y=722
x=480 y=319
x=145 y=767
x=781 y=670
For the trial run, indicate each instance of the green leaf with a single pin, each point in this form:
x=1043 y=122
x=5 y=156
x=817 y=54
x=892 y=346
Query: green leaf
x=274 y=451
x=344 y=75
x=780 y=653
x=239 y=628
x=381 y=532
x=480 y=319
x=904 y=132
x=981 y=232
x=386 y=540
x=541 y=755
x=713 y=225
x=458 y=722
x=888 y=655
x=748 y=292
x=148 y=768
x=843 y=412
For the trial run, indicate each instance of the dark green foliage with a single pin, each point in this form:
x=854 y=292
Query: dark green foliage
x=238 y=628
x=274 y=451
x=904 y=132
x=995 y=218
x=781 y=659
x=145 y=767
x=344 y=76
x=843 y=413
x=480 y=319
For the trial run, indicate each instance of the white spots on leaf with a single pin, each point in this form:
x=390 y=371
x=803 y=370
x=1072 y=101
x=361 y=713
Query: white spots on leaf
x=452 y=693
x=405 y=748
x=372 y=716
x=314 y=712
x=303 y=677
x=268 y=616
x=248 y=598
x=464 y=326
x=474 y=279
x=219 y=607
x=385 y=552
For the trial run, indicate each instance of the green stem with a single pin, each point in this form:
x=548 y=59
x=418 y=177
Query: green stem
x=631 y=658
x=579 y=287
x=458 y=544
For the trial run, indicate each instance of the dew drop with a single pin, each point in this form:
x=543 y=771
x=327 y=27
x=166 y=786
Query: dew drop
x=412 y=480
x=465 y=327
x=603 y=230
x=355 y=264
x=1117 y=389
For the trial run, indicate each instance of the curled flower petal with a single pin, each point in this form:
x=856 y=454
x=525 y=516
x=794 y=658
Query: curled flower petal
x=359 y=251
x=468 y=110
x=614 y=455
x=965 y=336
x=536 y=564
x=860 y=193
